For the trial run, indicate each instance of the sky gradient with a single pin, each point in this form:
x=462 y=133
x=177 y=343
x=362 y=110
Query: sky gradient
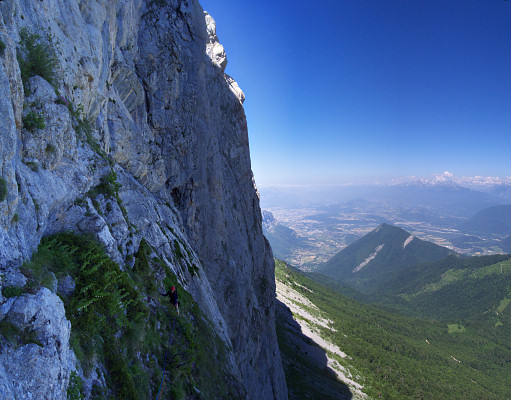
x=362 y=91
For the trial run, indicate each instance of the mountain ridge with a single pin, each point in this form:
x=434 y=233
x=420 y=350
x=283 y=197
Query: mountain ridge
x=386 y=249
x=495 y=220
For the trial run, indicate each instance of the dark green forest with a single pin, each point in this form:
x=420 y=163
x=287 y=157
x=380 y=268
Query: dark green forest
x=398 y=356
x=455 y=287
x=366 y=262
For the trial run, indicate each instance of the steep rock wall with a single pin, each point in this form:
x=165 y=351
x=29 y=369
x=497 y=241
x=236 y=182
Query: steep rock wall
x=149 y=76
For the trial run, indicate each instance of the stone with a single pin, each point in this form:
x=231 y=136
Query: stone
x=48 y=145
x=14 y=277
x=214 y=49
x=6 y=306
x=41 y=370
x=66 y=286
x=151 y=102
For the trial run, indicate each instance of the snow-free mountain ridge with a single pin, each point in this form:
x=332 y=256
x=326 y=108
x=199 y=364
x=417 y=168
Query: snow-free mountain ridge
x=386 y=249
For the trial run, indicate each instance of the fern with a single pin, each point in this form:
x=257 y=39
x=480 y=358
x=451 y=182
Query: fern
x=84 y=304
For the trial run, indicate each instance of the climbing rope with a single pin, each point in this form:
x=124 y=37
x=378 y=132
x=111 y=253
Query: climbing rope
x=164 y=362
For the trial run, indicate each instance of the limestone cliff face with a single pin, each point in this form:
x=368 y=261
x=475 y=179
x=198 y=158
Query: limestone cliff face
x=149 y=77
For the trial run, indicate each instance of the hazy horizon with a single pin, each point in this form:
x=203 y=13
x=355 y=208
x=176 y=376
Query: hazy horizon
x=445 y=177
x=357 y=92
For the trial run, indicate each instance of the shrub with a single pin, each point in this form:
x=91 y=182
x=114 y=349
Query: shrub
x=82 y=126
x=75 y=387
x=177 y=250
x=17 y=337
x=9 y=331
x=32 y=165
x=12 y=291
x=50 y=148
x=3 y=189
x=62 y=100
x=177 y=391
x=108 y=186
x=34 y=120
x=37 y=56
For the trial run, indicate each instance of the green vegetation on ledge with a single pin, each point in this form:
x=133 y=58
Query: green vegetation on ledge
x=33 y=120
x=3 y=189
x=37 y=56
x=120 y=320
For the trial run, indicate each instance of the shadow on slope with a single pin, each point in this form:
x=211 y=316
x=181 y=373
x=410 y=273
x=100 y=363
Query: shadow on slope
x=305 y=364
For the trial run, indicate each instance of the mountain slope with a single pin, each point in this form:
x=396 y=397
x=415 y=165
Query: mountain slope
x=399 y=357
x=385 y=250
x=311 y=369
x=506 y=244
x=471 y=289
x=489 y=222
x=283 y=240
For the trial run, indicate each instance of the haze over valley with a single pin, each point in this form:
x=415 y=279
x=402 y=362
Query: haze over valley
x=177 y=226
x=308 y=226
x=403 y=293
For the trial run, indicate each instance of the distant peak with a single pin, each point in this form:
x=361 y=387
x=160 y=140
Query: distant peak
x=386 y=227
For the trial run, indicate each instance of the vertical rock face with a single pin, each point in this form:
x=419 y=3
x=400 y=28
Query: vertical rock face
x=149 y=77
x=36 y=369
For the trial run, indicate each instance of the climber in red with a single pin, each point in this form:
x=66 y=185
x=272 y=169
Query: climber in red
x=172 y=293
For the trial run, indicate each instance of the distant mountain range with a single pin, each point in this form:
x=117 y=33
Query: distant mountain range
x=494 y=221
x=440 y=196
x=387 y=249
x=463 y=220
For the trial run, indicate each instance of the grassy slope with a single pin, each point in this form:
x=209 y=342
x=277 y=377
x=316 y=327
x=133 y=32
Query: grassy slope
x=119 y=320
x=401 y=357
x=470 y=289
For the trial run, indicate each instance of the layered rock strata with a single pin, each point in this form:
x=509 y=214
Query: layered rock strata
x=140 y=91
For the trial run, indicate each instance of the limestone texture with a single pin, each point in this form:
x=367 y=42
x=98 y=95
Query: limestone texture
x=140 y=91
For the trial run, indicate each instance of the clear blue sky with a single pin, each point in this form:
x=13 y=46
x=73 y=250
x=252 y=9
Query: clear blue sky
x=344 y=91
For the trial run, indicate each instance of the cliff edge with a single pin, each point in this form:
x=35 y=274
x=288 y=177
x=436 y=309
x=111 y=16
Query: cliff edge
x=138 y=137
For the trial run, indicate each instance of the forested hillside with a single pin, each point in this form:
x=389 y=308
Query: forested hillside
x=494 y=221
x=386 y=250
x=401 y=357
